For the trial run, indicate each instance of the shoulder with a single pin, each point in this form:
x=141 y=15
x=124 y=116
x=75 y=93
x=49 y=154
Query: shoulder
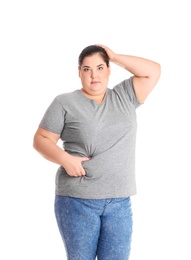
x=66 y=97
x=124 y=85
x=126 y=88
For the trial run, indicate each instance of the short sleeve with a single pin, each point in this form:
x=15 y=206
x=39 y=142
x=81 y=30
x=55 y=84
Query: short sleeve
x=129 y=89
x=54 y=117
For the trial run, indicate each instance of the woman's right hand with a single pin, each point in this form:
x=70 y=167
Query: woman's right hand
x=45 y=142
x=73 y=165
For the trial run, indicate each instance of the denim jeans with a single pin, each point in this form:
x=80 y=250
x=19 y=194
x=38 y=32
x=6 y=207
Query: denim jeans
x=95 y=227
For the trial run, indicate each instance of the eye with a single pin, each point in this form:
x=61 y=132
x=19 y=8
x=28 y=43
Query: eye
x=86 y=69
x=100 y=68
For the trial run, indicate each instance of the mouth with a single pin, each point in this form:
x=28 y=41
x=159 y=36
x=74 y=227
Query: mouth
x=95 y=82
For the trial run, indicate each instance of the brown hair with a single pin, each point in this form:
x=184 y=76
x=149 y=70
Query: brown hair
x=90 y=50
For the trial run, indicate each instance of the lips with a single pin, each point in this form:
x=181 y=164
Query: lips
x=95 y=82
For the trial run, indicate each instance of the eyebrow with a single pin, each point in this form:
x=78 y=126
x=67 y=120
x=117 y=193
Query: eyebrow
x=96 y=66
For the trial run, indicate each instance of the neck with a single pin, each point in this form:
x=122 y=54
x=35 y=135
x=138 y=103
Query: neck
x=97 y=98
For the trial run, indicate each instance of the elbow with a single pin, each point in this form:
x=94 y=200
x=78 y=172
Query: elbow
x=35 y=143
x=158 y=71
x=155 y=75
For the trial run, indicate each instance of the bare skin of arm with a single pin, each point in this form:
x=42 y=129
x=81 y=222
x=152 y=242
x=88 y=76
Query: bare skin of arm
x=45 y=143
x=146 y=72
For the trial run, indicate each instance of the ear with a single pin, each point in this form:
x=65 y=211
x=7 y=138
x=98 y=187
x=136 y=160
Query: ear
x=109 y=70
x=79 y=71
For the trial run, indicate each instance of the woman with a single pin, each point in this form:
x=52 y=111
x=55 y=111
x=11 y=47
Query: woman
x=96 y=174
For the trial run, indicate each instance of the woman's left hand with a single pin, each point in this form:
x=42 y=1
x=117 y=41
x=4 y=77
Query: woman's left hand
x=110 y=53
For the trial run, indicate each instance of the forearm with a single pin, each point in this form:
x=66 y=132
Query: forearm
x=52 y=152
x=49 y=150
x=138 y=66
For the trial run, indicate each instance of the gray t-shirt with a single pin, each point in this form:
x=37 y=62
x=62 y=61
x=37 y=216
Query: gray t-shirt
x=105 y=132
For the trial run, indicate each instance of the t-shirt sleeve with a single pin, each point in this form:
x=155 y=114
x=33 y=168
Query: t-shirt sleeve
x=54 y=117
x=129 y=89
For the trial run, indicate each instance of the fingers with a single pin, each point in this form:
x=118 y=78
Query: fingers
x=76 y=169
x=84 y=159
x=110 y=53
x=80 y=174
x=80 y=171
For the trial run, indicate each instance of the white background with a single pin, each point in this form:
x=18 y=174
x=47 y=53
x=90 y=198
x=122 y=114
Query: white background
x=39 y=47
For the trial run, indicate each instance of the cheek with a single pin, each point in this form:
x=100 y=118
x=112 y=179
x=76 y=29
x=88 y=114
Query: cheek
x=106 y=76
x=84 y=80
x=82 y=76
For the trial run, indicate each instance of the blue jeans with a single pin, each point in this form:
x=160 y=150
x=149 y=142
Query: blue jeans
x=95 y=227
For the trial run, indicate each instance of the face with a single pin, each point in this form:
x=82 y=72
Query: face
x=94 y=75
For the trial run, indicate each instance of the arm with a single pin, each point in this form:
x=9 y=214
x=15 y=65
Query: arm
x=45 y=143
x=146 y=72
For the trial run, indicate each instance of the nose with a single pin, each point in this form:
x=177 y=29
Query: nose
x=93 y=75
